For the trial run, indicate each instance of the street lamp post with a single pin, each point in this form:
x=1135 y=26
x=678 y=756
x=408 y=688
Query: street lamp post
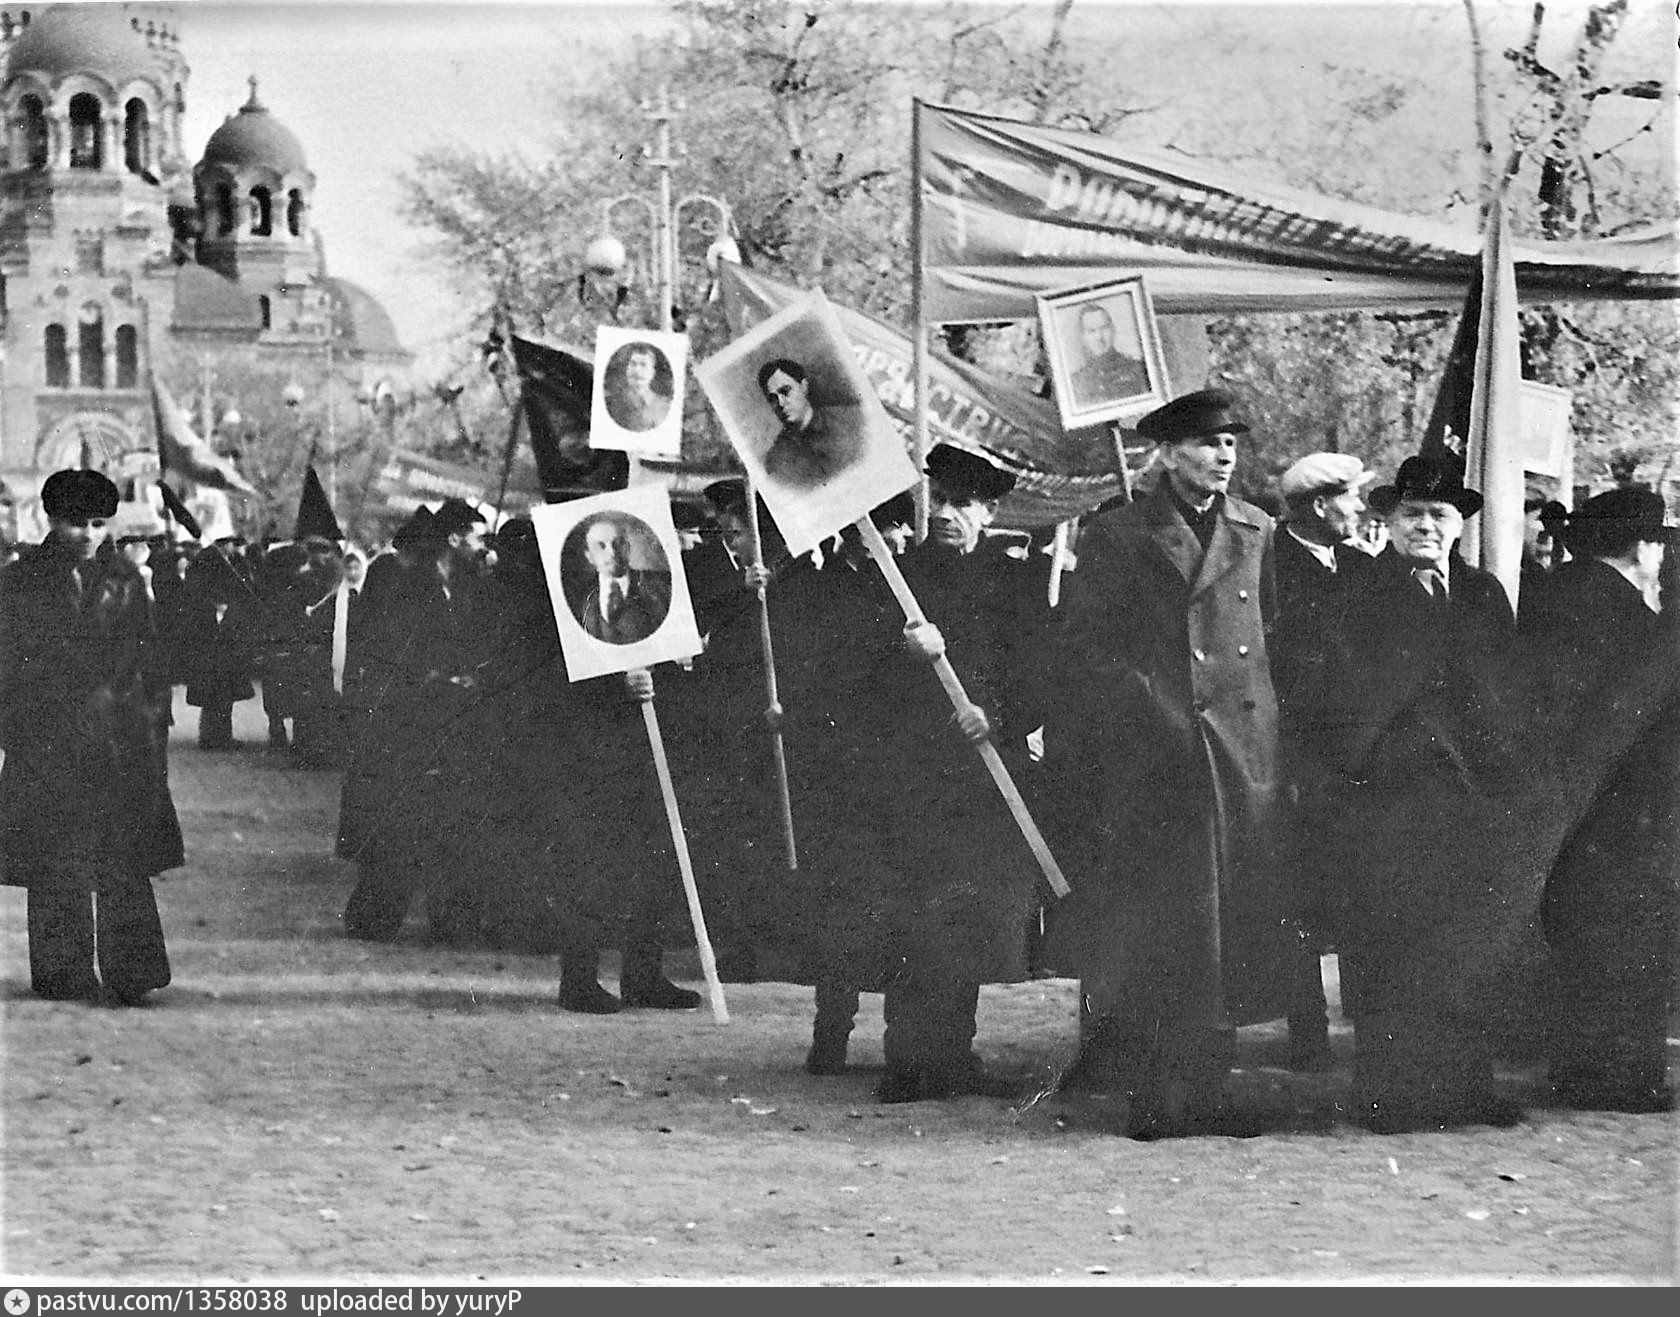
x=606 y=257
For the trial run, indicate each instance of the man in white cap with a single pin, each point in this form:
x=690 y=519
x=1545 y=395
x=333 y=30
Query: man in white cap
x=1317 y=563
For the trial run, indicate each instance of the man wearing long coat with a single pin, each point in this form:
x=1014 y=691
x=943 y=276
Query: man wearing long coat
x=1163 y=759
x=86 y=818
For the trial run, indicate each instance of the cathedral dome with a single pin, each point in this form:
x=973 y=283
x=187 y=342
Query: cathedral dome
x=364 y=323
x=255 y=139
x=94 y=39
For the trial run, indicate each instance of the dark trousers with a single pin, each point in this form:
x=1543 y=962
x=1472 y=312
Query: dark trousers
x=215 y=726
x=931 y=1020
x=71 y=932
x=1309 y=1012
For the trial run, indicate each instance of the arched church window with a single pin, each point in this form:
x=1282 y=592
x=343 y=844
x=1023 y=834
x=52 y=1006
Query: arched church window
x=35 y=138
x=128 y=357
x=137 y=137
x=85 y=138
x=267 y=309
x=224 y=208
x=262 y=212
x=58 y=358
x=294 y=213
x=91 y=341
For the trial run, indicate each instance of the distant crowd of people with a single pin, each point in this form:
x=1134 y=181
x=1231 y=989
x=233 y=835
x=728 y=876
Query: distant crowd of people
x=1249 y=741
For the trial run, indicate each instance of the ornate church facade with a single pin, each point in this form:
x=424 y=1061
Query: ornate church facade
x=119 y=256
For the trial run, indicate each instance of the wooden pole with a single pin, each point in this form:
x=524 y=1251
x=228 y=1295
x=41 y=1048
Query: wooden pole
x=708 y=962
x=879 y=551
x=919 y=358
x=773 y=710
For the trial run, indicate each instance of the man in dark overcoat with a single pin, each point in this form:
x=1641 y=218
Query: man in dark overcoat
x=1611 y=900
x=1164 y=752
x=86 y=818
x=1421 y=708
x=399 y=810
x=216 y=633
x=924 y=884
x=1316 y=563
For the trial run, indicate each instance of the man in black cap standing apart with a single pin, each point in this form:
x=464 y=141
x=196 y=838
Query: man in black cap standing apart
x=1166 y=736
x=1420 y=703
x=86 y=817
x=1611 y=907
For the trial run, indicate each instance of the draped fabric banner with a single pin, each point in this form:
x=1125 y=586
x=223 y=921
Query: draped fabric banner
x=1012 y=209
x=1061 y=474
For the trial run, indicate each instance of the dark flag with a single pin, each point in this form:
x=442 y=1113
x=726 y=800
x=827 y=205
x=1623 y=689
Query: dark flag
x=555 y=388
x=178 y=510
x=1448 y=434
x=315 y=514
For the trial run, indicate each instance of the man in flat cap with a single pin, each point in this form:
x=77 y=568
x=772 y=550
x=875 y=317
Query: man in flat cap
x=1166 y=733
x=1420 y=708
x=1611 y=908
x=86 y=818
x=1317 y=563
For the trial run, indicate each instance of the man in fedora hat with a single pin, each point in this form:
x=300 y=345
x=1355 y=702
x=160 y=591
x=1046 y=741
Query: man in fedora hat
x=86 y=818
x=1611 y=907
x=1166 y=738
x=1420 y=711
x=1317 y=563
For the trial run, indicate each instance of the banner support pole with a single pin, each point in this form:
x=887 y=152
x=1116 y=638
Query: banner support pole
x=919 y=343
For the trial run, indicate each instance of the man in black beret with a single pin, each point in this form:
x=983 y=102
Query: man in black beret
x=86 y=817
x=1163 y=746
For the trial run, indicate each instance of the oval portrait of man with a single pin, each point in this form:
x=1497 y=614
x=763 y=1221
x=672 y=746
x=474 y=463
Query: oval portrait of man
x=639 y=387
x=618 y=577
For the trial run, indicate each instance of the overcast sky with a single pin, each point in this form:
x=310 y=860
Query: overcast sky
x=365 y=86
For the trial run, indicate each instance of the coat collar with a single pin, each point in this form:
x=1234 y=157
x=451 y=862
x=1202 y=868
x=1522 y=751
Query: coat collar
x=1233 y=530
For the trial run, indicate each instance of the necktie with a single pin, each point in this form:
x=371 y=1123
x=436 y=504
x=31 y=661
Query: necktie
x=1434 y=584
x=615 y=602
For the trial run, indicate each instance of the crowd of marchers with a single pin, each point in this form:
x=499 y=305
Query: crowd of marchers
x=1250 y=741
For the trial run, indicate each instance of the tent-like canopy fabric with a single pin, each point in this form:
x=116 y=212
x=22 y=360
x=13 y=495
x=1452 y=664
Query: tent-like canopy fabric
x=1010 y=210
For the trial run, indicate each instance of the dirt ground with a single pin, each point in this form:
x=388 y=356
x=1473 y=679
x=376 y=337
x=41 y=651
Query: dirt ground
x=300 y=1107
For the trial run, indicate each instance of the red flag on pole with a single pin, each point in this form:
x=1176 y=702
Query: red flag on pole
x=555 y=388
x=182 y=452
x=1493 y=455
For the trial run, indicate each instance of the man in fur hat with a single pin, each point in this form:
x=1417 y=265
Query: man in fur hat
x=86 y=818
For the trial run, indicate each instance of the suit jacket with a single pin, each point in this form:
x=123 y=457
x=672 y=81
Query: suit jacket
x=646 y=602
x=1164 y=756
x=809 y=457
x=84 y=793
x=1310 y=601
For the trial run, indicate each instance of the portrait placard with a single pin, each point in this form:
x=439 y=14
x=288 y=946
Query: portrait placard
x=637 y=403
x=806 y=422
x=615 y=578
x=1104 y=351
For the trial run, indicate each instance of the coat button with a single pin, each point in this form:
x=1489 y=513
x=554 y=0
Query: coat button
x=1200 y=656
x=1242 y=650
x=1242 y=594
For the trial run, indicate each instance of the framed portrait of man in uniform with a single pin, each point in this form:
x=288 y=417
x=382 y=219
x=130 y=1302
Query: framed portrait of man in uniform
x=614 y=569
x=806 y=422
x=1104 y=351
x=637 y=401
